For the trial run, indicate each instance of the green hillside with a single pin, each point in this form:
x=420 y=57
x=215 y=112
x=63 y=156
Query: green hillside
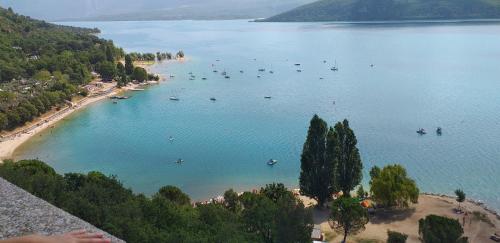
x=387 y=10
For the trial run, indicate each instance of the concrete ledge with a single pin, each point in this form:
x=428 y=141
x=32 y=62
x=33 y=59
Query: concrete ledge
x=22 y=213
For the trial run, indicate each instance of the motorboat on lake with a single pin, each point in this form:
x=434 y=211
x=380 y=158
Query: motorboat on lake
x=267 y=97
x=262 y=69
x=179 y=161
x=213 y=99
x=272 y=162
x=421 y=131
x=174 y=98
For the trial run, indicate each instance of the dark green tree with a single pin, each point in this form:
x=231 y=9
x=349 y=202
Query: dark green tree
x=109 y=53
x=438 y=229
x=396 y=237
x=316 y=175
x=348 y=169
x=174 y=195
x=231 y=201
x=140 y=74
x=129 y=65
x=460 y=197
x=107 y=70
x=393 y=187
x=349 y=216
x=120 y=69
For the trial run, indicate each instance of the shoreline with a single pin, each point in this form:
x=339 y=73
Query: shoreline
x=11 y=142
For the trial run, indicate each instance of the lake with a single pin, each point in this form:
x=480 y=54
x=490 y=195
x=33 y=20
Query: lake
x=423 y=76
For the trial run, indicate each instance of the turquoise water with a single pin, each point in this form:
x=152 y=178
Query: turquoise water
x=426 y=75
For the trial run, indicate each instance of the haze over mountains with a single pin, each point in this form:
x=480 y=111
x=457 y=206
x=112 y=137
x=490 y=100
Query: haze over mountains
x=387 y=10
x=54 y=10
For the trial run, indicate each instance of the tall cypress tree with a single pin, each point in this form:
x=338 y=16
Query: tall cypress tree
x=129 y=66
x=348 y=169
x=316 y=167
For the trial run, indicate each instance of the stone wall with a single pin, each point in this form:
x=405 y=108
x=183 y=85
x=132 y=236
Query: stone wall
x=22 y=213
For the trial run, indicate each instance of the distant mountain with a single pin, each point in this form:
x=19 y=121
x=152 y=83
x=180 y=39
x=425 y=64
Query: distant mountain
x=54 y=10
x=387 y=10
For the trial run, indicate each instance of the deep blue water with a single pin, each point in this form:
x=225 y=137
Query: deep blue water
x=424 y=75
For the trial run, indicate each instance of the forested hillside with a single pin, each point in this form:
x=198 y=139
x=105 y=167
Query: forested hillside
x=386 y=10
x=43 y=64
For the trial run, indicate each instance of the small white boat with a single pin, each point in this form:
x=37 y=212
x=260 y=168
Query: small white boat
x=174 y=98
x=272 y=162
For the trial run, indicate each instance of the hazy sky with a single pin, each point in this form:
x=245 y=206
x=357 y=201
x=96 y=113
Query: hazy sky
x=162 y=9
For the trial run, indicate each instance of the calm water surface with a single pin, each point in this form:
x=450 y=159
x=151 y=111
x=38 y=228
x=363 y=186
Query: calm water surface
x=423 y=76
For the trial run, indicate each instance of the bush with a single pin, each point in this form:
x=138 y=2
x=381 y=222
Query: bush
x=396 y=237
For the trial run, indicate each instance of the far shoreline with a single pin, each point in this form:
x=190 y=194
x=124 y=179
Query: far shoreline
x=386 y=22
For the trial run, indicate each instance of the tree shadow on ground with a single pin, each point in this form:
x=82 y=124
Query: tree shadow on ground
x=390 y=215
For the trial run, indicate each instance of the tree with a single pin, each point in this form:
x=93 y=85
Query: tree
x=42 y=75
x=140 y=74
x=120 y=69
x=174 y=195
x=316 y=169
x=393 y=187
x=276 y=215
x=180 y=54
x=396 y=237
x=129 y=66
x=460 y=197
x=348 y=214
x=107 y=70
x=231 y=201
x=348 y=169
x=4 y=121
x=438 y=229
x=293 y=221
x=109 y=53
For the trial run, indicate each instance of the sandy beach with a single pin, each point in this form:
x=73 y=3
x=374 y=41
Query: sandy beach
x=406 y=220
x=10 y=142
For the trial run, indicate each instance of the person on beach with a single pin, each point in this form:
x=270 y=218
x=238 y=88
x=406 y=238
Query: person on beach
x=80 y=236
